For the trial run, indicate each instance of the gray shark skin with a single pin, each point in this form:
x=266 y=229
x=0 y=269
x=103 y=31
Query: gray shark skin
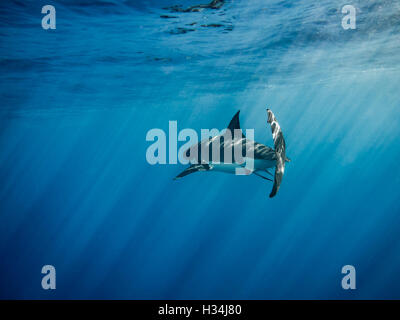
x=218 y=153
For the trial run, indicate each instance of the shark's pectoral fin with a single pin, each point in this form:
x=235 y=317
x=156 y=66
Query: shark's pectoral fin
x=261 y=176
x=266 y=170
x=193 y=168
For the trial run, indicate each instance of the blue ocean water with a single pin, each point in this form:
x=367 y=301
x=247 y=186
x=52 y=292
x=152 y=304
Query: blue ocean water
x=76 y=190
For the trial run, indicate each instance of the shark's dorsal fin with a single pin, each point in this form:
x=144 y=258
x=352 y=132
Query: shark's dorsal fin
x=235 y=124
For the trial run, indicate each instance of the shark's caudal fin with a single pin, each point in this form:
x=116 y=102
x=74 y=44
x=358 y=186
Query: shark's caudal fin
x=280 y=149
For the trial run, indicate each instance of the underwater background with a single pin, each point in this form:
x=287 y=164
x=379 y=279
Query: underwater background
x=76 y=191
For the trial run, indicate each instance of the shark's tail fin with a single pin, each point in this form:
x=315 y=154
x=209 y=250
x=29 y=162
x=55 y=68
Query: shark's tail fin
x=280 y=149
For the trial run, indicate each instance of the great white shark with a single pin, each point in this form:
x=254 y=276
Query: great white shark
x=221 y=147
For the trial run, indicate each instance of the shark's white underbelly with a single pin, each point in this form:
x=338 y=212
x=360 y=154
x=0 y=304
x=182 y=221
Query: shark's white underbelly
x=231 y=167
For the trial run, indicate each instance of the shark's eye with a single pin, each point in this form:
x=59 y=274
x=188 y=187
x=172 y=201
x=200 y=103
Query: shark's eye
x=187 y=153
